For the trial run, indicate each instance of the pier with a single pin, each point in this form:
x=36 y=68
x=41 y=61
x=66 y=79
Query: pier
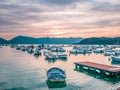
x=105 y=70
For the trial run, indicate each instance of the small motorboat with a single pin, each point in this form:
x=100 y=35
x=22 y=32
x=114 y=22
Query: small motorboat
x=37 y=53
x=18 y=47
x=56 y=75
x=50 y=55
x=23 y=48
x=62 y=56
x=30 y=50
x=12 y=45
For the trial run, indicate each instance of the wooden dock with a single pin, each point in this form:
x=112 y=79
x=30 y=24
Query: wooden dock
x=110 y=71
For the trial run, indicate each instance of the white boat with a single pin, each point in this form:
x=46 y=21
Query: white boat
x=87 y=51
x=38 y=48
x=98 y=51
x=57 y=49
x=73 y=51
x=18 y=47
x=37 y=53
x=56 y=75
x=30 y=50
x=62 y=56
x=23 y=48
x=45 y=52
x=115 y=58
x=50 y=55
x=80 y=51
x=117 y=52
x=61 y=50
x=12 y=45
x=109 y=53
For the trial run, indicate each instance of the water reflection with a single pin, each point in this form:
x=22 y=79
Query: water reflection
x=99 y=76
x=55 y=85
x=54 y=60
x=51 y=60
x=63 y=59
x=17 y=88
x=23 y=71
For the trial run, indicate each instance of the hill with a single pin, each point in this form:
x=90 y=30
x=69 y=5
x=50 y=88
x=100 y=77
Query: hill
x=101 y=40
x=3 y=41
x=44 y=40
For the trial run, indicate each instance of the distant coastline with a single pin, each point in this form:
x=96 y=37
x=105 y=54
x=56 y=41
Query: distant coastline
x=101 y=41
x=41 y=40
x=71 y=40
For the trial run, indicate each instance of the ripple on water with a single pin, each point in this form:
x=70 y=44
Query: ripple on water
x=22 y=71
x=17 y=88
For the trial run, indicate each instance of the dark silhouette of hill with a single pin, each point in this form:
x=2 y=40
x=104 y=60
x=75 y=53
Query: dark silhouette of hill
x=3 y=41
x=47 y=40
x=101 y=40
x=44 y=40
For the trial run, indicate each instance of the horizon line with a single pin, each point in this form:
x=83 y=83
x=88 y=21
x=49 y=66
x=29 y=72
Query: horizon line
x=59 y=37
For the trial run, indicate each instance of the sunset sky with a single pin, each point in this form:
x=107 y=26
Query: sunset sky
x=59 y=18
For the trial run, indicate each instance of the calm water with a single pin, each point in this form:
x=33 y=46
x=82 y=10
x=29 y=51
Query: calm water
x=22 y=71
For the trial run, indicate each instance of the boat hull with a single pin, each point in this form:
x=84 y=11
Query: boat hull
x=56 y=75
x=56 y=80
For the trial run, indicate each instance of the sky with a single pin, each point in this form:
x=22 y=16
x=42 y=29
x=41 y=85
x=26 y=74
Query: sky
x=59 y=18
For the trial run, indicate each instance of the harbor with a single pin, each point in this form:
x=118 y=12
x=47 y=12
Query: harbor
x=31 y=67
x=105 y=70
x=59 y=44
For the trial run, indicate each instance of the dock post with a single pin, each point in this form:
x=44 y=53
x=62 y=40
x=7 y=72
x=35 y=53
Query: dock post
x=75 y=66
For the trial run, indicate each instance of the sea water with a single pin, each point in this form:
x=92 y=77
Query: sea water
x=22 y=71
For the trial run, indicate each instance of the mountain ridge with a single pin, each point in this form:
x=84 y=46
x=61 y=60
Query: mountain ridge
x=42 y=40
x=70 y=40
x=101 y=40
x=3 y=41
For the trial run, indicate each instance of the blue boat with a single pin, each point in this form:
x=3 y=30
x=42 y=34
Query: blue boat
x=56 y=75
x=114 y=58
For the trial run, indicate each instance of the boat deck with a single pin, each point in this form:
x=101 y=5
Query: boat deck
x=99 y=66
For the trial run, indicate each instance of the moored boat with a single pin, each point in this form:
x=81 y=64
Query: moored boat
x=62 y=56
x=50 y=55
x=23 y=48
x=73 y=51
x=30 y=50
x=37 y=53
x=18 y=47
x=56 y=75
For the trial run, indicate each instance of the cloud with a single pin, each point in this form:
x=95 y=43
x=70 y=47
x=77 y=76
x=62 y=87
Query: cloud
x=73 y=17
x=106 y=6
x=4 y=22
x=60 y=2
